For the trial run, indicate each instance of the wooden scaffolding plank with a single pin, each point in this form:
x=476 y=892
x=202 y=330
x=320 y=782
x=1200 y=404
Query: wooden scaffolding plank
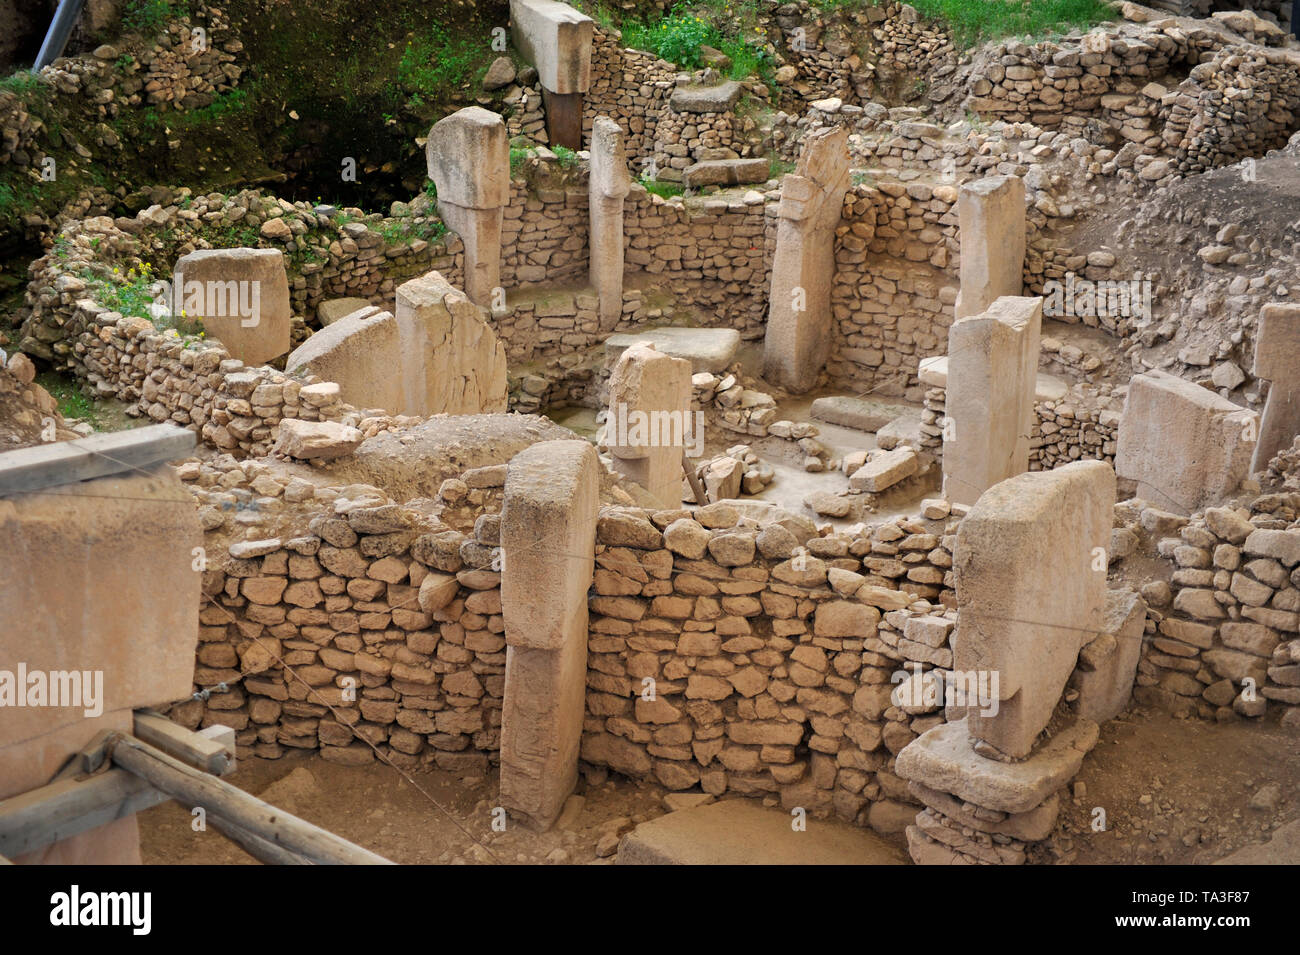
x=191 y=787
x=100 y=455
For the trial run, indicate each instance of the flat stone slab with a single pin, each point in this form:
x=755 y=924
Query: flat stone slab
x=743 y=832
x=934 y=372
x=726 y=172
x=904 y=430
x=705 y=99
x=885 y=470
x=707 y=349
x=942 y=758
x=861 y=414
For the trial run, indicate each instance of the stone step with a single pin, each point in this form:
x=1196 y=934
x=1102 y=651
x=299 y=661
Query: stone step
x=861 y=414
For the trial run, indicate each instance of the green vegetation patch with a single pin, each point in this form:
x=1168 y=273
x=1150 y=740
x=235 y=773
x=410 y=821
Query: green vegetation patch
x=978 y=21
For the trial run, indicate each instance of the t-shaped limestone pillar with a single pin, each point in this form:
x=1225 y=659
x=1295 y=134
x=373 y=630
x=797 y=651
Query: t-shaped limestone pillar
x=650 y=420
x=469 y=162
x=548 y=535
x=798 y=337
x=1277 y=358
x=556 y=39
x=992 y=217
x=608 y=184
x=1030 y=572
x=992 y=376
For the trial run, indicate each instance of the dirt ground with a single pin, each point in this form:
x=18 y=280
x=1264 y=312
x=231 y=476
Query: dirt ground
x=1173 y=792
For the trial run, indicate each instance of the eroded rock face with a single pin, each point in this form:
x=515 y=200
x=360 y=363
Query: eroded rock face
x=450 y=359
x=1184 y=445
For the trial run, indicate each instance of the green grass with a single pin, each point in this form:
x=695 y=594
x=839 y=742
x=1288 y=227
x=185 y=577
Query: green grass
x=566 y=157
x=149 y=16
x=395 y=231
x=678 y=36
x=73 y=402
x=779 y=167
x=435 y=61
x=977 y=21
x=21 y=82
x=664 y=190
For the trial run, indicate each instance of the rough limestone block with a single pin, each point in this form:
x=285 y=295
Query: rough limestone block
x=451 y=360
x=548 y=538
x=556 y=39
x=1184 y=445
x=798 y=337
x=361 y=353
x=100 y=584
x=320 y=440
x=608 y=184
x=653 y=390
x=1029 y=592
x=1277 y=358
x=244 y=296
x=942 y=759
x=992 y=221
x=1108 y=664
x=884 y=470
x=933 y=371
x=992 y=374
x=726 y=172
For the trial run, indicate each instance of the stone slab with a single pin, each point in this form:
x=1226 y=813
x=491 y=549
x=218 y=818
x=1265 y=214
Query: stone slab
x=705 y=99
x=942 y=758
x=861 y=414
x=556 y=39
x=707 y=349
x=232 y=279
x=743 y=832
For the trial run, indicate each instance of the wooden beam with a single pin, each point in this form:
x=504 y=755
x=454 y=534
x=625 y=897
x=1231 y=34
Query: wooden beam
x=69 y=807
x=191 y=787
x=100 y=455
x=192 y=749
x=261 y=849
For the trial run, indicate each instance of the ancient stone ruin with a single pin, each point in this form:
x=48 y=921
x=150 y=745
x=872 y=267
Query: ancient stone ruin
x=866 y=438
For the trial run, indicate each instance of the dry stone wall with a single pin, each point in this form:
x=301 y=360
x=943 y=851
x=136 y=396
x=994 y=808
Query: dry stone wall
x=1222 y=633
x=365 y=628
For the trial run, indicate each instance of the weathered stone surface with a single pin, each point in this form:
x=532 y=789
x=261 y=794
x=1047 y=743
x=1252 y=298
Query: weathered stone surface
x=548 y=534
x=1277 y=358
x=650 y=419
x=450 y=359
x=1029 y=593
x=992 y=373
x=942 y=759
x=707 y=349
x=861 y=414
x=719 y=98
x=797 y=342
x=360 y=353
x=1184 y=445
x=1105 y=683
x=556 y=39
x=884 y=470
x=322 y=440
x=726 y=172
x=992 y=217
x=242 y=298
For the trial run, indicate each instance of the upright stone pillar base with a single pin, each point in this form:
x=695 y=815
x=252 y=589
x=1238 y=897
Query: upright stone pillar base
x=548 y=535
x=1277 y=358
x=608 y=184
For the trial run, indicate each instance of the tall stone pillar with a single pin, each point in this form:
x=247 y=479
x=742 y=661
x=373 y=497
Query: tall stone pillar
x=798 y=339
x=469 y=162
x=1277 y=358
x=556 y=39
x=992 y=376
x=992 y=221
x=650 y=419
x=608 y=184
x=548 y=535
